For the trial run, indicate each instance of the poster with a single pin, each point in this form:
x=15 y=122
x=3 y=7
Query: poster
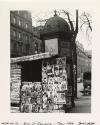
x=31 y=97
x=51 y=46
x=55 y=77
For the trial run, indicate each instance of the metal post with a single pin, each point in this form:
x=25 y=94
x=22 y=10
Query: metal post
x=72 y=76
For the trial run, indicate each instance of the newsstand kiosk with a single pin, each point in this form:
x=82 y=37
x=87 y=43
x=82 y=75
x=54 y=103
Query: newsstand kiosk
x=39 y=83
x=44 y=82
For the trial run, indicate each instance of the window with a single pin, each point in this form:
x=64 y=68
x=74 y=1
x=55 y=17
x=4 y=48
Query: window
x=26 y=37
x=36 y=48
x=28 y=71
x=14 y=34
x=20 y=22
x=26 y=25
x=14 y=20
x=20 y=36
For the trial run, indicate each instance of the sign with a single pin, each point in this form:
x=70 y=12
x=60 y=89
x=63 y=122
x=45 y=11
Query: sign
x=30 y=58
x=51 y=46
x=60 y=98
x=61 y=61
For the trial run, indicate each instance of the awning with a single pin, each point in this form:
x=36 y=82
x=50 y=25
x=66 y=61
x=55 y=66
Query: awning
x=31 y=57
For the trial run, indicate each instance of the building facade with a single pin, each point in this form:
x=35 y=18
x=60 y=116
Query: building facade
x=21 y=42
x=83 y=60
x=37 y=42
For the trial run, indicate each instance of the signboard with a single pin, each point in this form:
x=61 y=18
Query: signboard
x=61 y=61
x=30 y=58
x=51 y=46
x=61 y=98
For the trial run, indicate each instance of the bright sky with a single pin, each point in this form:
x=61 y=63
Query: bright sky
x=82 y=37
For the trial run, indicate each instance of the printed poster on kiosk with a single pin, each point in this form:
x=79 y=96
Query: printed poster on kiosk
x=51 y=46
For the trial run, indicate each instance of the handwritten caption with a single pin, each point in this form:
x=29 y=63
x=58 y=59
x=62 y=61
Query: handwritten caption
x=40 y=123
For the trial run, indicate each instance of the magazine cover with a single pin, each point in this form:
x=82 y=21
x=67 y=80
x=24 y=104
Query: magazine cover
x=48 y=74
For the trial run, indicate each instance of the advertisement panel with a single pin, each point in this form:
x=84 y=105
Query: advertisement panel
x=51 y=46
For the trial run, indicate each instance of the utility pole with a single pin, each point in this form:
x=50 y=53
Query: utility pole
x=75 y=54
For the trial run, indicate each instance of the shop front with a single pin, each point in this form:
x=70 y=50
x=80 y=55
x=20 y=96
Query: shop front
x=40 y=84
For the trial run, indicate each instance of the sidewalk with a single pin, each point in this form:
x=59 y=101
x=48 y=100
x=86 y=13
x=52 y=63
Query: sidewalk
x=82 y=103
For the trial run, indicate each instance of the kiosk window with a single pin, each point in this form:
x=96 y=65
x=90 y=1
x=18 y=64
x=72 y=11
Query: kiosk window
x=32 y=71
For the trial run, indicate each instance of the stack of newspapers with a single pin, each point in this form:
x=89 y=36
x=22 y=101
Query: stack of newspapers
x=15 y=83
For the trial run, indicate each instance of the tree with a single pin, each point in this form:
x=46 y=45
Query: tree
x=74 y=32
x=86 y=20
x=86 y=25
x=83 y=20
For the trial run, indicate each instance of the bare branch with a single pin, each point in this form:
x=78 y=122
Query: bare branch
x=70 y=22
x=88 y=22
x=76 y=30
x=86 y=19
x=82 y=25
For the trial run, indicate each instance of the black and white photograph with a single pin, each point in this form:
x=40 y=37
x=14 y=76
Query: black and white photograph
x=50 y=61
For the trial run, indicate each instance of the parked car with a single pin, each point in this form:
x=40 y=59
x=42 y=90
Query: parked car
x=87 y=82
